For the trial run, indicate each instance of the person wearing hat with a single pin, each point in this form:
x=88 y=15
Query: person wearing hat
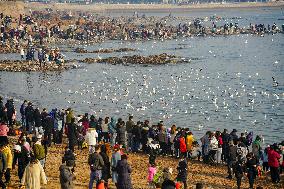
x=39 y=151
x=273 y=163
x=22 y=157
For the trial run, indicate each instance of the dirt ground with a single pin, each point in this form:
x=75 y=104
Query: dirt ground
x=210 y=176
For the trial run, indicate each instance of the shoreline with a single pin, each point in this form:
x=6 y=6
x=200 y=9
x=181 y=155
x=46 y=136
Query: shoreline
x=150 y=7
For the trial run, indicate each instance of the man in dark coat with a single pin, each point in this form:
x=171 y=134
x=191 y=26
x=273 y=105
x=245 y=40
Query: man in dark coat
x=232 y=158
x=66 y=175
x=10 y=111
x=29 y=111
x=136 y=134
x=96 y=163
x=47 y=127
x=72 y=134
x=37 y=118
x=121 y=133
x=225 y=146
x=123 y=171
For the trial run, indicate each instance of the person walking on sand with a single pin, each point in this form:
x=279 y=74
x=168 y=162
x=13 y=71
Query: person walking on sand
x=116 y=156
x=34 y=175
x=182 y=172
x=9 y=157
x=96 y=163
x=3 y=166
x=124 y=171
x=67 y=176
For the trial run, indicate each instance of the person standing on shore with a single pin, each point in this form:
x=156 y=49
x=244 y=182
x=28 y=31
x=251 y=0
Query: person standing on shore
x=9 y=157
x=251 y=169
x=116 y=156
x=232 y=158
x=273 y=162
x=3 y=166
x=67 y=175
x=23 y=114
x=96 y=163
x=124 y=171
x=129 y=126
x=34 y=175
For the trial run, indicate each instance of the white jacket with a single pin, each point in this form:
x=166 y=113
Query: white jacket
x=213 y=143
x=91 y=137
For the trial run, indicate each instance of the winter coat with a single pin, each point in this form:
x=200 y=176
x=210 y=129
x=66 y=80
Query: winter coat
x=72 y=133
x=189 y=141
x=29 y=111
x=106 y=168
x=162 y=136
x=96 y=161
x=33 y=176
x=3 y=130
x=124 y=178
x=3 y=162
x=121 y=134
x=129 y=126
x=151 y=172
x=182 y=171
x=114 y=160
x=91 y=137
x=273 y=158
x=10 y=108
x=66 y=177
x=9 y=157
x=112 y=126
x=136 y=133
x=69 y=116
x=213 y=143
x=182 y=145
x=232 y=156
x=39 y=151
x=256 y=148
x=37 y=118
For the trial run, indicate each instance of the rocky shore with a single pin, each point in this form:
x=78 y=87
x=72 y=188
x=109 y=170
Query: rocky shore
x=137 y=59
x=82 y=50
x=30 y=66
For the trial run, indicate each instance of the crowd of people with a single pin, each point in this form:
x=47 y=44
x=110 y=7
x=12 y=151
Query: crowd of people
x=241 y=154
x=37 y=28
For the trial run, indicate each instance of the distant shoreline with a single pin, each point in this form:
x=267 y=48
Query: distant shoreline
x=17 y=7
x=151 y=7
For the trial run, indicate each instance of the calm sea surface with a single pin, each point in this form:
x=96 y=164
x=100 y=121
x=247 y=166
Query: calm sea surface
x=227 y=84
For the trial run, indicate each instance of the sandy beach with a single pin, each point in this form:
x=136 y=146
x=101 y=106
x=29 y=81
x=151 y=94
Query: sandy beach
x=210 y=176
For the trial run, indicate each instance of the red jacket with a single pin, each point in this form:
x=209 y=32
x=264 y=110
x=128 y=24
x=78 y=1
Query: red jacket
x=273 y=158
x=182 y=145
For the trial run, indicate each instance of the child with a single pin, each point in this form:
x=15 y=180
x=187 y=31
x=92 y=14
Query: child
x=196 y=151
x=182 y=172
x=151 y=172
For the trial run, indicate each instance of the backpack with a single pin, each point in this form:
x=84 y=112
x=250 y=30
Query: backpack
x=41 y=151
x=158 y=178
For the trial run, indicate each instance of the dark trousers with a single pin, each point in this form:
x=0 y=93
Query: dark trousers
x=2 y=184
x=8 y=175
x=265 y=166
x=251 y=177
x=239 y=181
x=230 y=166
x=275 y=176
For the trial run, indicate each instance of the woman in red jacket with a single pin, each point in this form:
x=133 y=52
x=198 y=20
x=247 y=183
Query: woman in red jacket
x=182 y=146
x=273 y=163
